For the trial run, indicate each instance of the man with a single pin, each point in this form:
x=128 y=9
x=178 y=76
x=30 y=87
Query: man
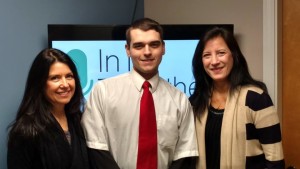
x=112 y=118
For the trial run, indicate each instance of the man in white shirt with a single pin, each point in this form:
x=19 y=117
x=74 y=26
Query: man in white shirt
x=111 y=119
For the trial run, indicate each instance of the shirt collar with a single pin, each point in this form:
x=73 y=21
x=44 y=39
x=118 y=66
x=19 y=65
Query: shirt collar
x=138 y=81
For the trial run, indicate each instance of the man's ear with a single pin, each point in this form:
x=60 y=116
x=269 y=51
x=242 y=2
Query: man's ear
x=127 y=48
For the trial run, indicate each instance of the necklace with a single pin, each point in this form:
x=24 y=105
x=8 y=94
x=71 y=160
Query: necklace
x=216 y=111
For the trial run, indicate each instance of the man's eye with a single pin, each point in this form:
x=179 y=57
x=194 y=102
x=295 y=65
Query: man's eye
x=155 y=44
x=138 y=46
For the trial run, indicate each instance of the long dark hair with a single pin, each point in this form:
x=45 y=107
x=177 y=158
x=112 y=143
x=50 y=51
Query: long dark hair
x=238 y=76
x=34 y=113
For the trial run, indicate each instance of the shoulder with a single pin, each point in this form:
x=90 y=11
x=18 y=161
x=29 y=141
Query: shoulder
x=25 y=126
x=109 y=87
x=172 y=91
x=169 y=86
x=112 y=80
x=22 y=134
x=255 y=98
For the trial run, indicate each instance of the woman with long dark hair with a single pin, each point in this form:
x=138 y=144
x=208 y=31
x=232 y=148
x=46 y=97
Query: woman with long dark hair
x=236 y=122
x=46 y=133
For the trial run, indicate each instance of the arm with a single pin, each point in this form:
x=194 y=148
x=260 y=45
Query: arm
x=101 y=159
x=267 y=127
x=93 y=124
x=184 y=163
x=186 y=146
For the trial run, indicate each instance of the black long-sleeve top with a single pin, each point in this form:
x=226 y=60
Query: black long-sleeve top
x=50 y=152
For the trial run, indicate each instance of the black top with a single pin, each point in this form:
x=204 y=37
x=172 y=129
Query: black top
x=212 y=138
x=51 y=150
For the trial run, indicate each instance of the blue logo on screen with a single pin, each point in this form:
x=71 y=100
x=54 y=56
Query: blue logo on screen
x=80 y=61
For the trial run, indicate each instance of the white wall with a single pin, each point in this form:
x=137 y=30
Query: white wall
x=247 y=17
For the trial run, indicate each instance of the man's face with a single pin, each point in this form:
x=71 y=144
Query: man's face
x=146 y=50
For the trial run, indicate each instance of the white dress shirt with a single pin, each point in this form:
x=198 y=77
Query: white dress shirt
x=111 y=119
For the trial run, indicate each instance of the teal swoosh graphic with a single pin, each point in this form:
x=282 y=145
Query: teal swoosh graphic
x=80 y=60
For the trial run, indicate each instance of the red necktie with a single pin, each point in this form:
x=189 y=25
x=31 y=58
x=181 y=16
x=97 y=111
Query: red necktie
x=147 y=150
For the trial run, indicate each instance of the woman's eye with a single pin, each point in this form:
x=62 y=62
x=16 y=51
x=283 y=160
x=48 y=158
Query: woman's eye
x=221 y=53
x=70 y=77
x=54 y=78
x=205 y=55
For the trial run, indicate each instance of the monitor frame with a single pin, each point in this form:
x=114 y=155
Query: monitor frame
x=64 y=32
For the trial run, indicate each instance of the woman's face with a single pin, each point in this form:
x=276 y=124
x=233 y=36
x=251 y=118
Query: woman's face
x=60 y=85
x=217 y=59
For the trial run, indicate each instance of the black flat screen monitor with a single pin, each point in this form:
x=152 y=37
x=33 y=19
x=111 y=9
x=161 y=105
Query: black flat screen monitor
x=99 y=51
